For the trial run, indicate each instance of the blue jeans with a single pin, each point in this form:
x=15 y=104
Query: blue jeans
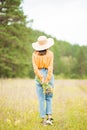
x=45 y=100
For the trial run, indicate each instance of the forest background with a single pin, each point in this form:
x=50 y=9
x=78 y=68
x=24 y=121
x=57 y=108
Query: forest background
x=70 y=61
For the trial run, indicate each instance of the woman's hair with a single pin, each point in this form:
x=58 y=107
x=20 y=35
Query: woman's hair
x=43 y=52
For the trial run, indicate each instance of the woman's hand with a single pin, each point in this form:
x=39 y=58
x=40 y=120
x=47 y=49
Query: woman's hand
x=42 y=81
x=46 y=82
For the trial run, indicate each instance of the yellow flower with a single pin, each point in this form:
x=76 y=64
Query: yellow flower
x=8 y=121
x=17 y=122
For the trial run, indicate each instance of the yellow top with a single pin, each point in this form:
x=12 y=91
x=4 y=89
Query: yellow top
x=43 y=61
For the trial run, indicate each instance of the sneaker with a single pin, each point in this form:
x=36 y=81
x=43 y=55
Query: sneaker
x=49 y=121
x=43 y=122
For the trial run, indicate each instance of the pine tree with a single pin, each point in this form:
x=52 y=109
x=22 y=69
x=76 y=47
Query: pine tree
x=11 y=12
x=14 y=50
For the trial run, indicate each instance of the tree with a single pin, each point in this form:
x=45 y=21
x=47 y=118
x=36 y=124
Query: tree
x=81 y=63
x=11 y=12
x=13 y=47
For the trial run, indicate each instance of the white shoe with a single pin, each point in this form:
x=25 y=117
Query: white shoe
x=49 y=122
x=43 y=122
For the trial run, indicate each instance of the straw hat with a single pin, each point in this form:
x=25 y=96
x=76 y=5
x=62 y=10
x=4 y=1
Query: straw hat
x=43 y=43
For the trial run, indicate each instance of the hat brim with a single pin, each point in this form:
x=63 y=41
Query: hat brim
x=37 y=47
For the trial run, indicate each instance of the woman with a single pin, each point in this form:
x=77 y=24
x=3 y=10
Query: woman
x=42 y=59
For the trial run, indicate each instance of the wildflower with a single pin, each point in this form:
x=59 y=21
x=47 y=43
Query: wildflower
x=17 y=122
x=47 y=89
x=8 y=121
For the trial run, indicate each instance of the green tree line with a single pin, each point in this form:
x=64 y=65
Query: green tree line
x=70 y=61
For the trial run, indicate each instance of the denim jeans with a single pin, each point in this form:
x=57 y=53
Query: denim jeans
x=45 y=100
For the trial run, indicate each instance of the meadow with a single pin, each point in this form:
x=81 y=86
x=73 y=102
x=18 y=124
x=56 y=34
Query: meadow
x=19 y=105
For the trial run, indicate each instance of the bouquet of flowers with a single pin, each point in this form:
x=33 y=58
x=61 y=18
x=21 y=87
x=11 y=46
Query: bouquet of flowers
x=47 y=89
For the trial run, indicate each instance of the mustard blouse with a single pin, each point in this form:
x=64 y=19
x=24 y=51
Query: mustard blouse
x=43 y=61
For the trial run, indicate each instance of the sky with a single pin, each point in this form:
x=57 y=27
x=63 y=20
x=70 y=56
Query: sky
x=64 y=19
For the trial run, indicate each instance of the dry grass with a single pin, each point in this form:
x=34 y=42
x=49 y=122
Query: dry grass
x=19 y=105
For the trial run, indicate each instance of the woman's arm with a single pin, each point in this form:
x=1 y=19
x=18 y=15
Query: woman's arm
x=50 y=69
x=36 y=70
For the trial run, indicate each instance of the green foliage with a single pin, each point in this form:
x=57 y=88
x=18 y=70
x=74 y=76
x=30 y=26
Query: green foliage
x=13 y=51
x=11 y=12
x=16 y=50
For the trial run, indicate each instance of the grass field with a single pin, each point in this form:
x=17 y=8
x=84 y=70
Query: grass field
x=19 y=105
